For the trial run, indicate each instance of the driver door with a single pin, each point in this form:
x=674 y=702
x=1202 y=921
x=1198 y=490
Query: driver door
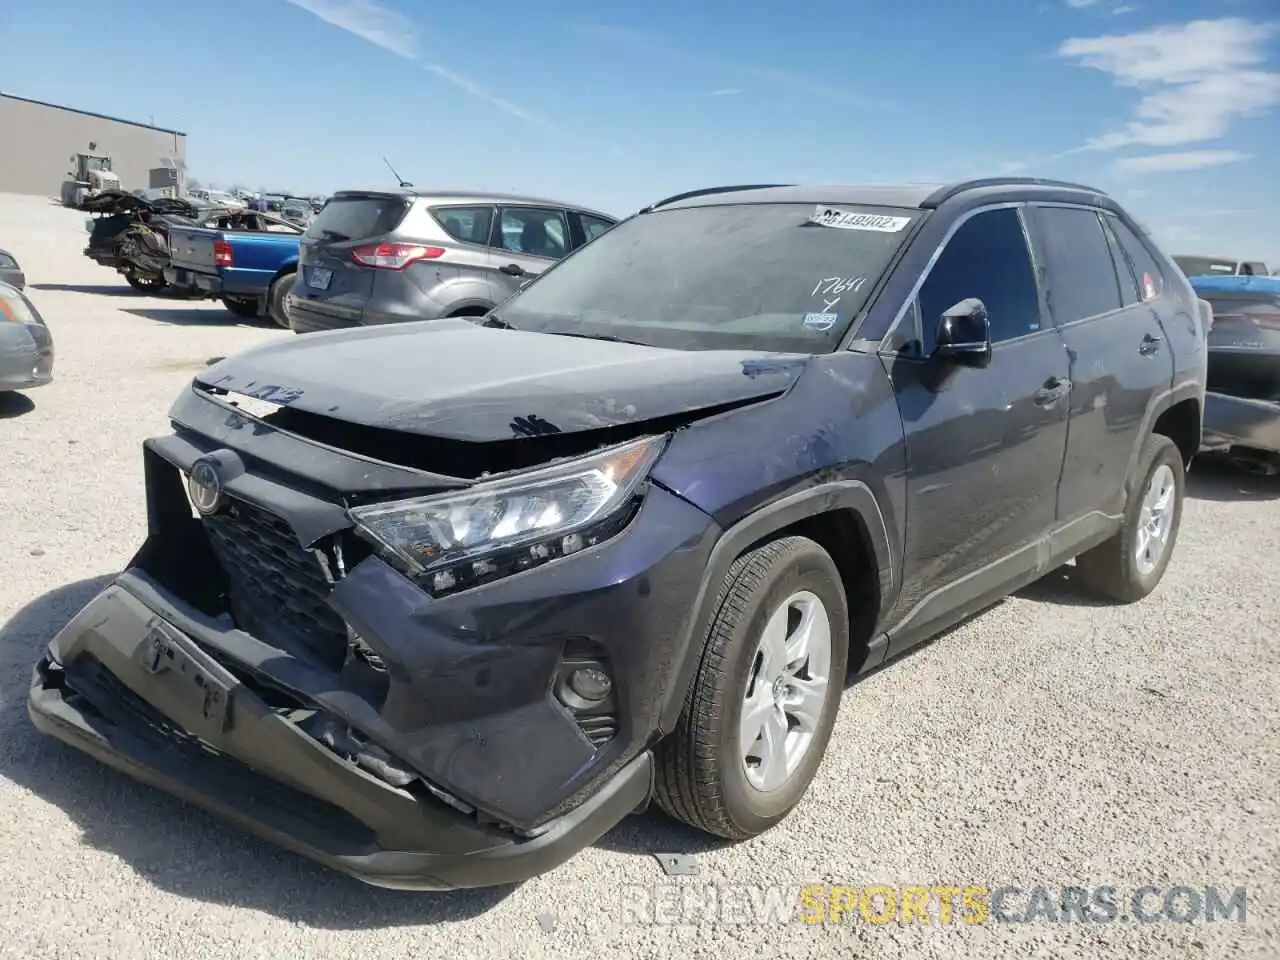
x=984 y=446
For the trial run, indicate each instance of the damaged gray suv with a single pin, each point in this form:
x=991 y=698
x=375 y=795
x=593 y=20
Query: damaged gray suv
x=439 y=603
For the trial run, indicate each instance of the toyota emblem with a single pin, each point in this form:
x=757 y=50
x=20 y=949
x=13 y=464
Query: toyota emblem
x=205 y=487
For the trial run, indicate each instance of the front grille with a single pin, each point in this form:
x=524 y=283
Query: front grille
x=278 y=589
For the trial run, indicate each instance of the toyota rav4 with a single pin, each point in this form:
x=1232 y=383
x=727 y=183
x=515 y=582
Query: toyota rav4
x=438 y=604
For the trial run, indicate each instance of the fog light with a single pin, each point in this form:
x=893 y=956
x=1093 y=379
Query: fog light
x=590 y=683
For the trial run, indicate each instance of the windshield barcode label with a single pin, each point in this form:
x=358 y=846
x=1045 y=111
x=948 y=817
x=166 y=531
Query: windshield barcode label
x=848 y=220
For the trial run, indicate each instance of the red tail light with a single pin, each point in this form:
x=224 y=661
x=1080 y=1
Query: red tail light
x=394 y=256
x=221 y=253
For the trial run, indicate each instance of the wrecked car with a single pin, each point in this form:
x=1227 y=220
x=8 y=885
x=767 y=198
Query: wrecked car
x=1242 y=408
x=130 y=234
x=438 y=604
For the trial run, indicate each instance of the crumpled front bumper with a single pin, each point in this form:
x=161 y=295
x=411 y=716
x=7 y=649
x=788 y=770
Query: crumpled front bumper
x=1237 y=422
x=126 y=682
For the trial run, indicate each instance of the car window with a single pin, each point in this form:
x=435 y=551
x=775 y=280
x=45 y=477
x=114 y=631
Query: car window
x=1130 y=294
x=986 y=258
x=465 y=224
x=1081 y=277
x=1205 y=266
x=1145 y=268
x=356 y=217
x=536 y=231
x=592 y=227
x=767 y=276
x=1254 y=269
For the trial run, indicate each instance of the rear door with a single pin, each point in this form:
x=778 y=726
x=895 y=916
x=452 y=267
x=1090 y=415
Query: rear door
x=526 y=241
x=1120 y=360
x=329 y=276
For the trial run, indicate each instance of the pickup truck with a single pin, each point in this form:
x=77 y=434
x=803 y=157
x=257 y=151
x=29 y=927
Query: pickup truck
x=250 y=271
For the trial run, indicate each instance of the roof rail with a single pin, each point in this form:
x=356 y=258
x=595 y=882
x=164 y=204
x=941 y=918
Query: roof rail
x=942 y=194
x=710 y=191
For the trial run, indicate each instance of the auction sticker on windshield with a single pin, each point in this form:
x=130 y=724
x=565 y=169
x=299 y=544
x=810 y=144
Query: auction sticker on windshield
x=850 y=220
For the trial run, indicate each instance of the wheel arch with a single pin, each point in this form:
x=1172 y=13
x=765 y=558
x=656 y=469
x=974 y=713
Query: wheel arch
x=284 y=270
x=844 y=518
x=1177 y=413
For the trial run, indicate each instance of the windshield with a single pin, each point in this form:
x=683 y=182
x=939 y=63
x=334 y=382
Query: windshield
x=1205 y=266
x=781 y=277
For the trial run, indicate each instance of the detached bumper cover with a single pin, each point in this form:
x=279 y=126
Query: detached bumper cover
x=137 y=692
x=1236 y=422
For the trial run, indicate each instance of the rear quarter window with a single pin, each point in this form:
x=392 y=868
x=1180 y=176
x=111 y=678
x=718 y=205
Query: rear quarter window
x=465 y=224
x=357 y=218
x=1146 y=270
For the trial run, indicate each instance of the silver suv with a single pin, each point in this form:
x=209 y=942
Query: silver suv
x=374 y=256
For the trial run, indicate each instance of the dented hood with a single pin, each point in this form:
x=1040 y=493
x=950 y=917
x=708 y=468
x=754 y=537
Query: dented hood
x=455 y=379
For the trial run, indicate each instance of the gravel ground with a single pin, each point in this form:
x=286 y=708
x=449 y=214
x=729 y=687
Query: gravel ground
x=1047 y=741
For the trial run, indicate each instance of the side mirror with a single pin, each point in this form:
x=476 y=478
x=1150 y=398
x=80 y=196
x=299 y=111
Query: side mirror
x=964 y=335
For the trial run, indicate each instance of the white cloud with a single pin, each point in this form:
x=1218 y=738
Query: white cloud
x=369 y=20
x=377 y=23
x=1123 y=8
x=1195 y=79
x=1189 y=160
x=480 y=93
x=726 y=92
x=1080 y=4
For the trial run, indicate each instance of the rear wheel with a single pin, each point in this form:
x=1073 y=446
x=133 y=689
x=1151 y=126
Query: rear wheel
x=246 y=308
x=275 y=299
x=763 y=702
x=1131 y=564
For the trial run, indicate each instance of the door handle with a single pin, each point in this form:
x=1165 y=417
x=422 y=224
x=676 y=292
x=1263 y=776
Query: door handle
x=1150 y=344
x=1055 y=389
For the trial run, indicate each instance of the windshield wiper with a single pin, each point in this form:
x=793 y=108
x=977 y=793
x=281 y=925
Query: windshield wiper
x=334 y=235
x=493 y=320
x=607 y=337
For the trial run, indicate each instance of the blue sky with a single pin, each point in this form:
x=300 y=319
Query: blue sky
x=1173 y=105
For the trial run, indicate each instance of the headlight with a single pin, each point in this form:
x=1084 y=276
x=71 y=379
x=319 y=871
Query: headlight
x=455 y=540
x=15 y=308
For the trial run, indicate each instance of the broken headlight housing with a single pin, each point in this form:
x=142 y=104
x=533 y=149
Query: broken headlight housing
x=451 y=541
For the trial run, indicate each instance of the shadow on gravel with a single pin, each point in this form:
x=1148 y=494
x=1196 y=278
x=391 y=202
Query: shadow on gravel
x=14 y=405
x=120 y=290
x=1060 y=588
x=1216 y=478
x=174 y=846
x=194 y=317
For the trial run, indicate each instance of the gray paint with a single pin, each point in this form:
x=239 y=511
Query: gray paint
x=37 y=140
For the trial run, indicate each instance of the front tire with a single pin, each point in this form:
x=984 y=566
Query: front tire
x=1131 y=564
x=759 y=713
x=275 y=299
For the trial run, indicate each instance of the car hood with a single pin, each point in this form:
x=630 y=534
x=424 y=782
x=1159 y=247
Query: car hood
x=455 y=379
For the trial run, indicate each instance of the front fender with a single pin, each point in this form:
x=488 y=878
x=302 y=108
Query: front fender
x=832 y=442
x=849 y=495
